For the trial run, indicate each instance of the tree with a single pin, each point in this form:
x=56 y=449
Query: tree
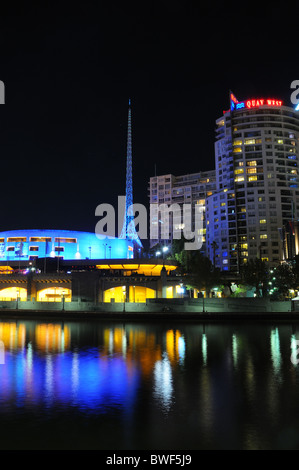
x=181 y=255
x=201 y=274
x=197 y=270
x=255 y=273
x=295 y=266
x=283 y=278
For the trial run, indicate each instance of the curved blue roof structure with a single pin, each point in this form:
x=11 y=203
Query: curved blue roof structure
x=67 y=244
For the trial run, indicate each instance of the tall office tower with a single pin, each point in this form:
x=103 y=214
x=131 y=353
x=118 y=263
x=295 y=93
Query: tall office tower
x=128 y=231
x=191 y=190
x=256 y=157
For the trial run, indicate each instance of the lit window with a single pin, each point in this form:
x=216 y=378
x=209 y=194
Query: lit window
x=239 y=178
x=65 y=240
x=264 y=236
x=251 y=163
x=280 y=141
x=249 y=141
x=263 y=221
x=40 y=239
x=239 y=171
x=251 y=170
x=252 y=178
x=16 y=239
x=237 y=150
x=33 y=248
x=237 y=142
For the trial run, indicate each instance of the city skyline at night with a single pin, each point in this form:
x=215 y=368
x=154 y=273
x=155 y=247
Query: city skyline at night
x=149 y=336
x=64 y=124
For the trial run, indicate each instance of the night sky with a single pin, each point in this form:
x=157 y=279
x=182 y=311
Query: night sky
x=69 y=74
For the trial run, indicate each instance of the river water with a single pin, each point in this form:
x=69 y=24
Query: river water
x=148 y=385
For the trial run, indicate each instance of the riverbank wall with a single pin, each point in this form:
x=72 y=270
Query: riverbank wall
x=152 y=306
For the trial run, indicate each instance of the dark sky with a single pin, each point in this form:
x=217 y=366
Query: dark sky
x=69 y=74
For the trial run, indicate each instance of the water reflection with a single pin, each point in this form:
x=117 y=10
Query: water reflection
x=204 y=348
x=221 y=386
x=163 y=388
x=275 y=351
x=235 y=350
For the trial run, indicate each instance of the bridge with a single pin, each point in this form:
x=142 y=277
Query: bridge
x=88 y=286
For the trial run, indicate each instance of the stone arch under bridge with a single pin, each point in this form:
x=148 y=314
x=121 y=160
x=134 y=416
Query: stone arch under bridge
x=88 y=286
x=131 y=293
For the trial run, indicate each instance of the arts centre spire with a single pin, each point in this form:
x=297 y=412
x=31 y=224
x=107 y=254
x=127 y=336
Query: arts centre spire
x=129 y=231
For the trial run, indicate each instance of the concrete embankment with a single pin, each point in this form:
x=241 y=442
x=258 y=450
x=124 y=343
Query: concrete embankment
x=157 y=309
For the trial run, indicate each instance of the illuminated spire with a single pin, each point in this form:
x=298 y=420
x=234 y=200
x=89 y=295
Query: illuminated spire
x=128 y=231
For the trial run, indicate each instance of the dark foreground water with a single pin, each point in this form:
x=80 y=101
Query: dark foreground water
x=80 y=385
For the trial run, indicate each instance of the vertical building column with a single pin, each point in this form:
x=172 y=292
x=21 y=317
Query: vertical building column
x=31 y=287
x=101 y=291
x=164 y=282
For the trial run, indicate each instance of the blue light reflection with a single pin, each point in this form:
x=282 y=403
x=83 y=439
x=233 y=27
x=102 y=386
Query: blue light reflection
x=88 y=382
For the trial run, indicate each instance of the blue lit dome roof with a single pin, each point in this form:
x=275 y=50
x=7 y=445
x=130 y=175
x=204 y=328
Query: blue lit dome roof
x=67 y=244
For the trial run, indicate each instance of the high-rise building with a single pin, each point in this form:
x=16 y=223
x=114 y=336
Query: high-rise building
x=256 y=157
x=190 y=189
x=253 y=193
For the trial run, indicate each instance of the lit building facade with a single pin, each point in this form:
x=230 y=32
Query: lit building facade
x=191 y=190
x=25 y=245
x=256 y=157
x=220 y=217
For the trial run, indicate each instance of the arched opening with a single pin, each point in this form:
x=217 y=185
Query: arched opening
x=136 y=294
x=13 y=293
x=54 y=294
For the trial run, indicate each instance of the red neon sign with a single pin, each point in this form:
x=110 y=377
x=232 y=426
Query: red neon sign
x=262 y=102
